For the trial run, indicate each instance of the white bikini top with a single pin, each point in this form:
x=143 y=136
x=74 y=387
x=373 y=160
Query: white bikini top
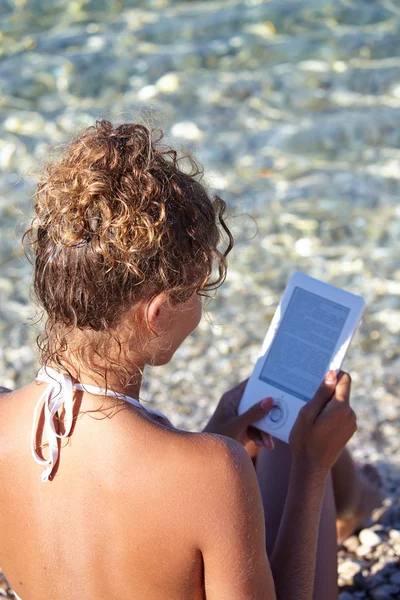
x=59 y=392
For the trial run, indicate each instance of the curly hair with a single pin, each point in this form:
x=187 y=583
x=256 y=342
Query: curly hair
x=118 y=220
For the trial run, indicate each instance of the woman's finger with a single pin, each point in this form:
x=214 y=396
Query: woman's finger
x=254 y=435
x=267 y=440
x=255 y=412
x=260 y=438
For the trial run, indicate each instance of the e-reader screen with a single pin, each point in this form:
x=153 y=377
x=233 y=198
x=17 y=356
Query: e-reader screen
x=303 y=346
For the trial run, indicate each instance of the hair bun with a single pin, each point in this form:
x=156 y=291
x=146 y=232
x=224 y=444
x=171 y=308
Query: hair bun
x=118 y=220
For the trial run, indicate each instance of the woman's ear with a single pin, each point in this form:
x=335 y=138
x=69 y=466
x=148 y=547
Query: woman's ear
x=158 y=313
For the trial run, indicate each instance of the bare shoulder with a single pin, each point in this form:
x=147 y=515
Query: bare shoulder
x=227 y=469
x=215 y=454
x=204 y=469
x=222 y=459
x=219 y=481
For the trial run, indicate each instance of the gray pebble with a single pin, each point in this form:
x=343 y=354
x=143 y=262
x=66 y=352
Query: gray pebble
x=395 y=579
x=385 y=592
x=360 y=581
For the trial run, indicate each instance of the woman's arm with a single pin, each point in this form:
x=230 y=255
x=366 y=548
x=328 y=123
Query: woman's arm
x=232 y=540
x=321 y=431
x=295 y=550
x=231 y=526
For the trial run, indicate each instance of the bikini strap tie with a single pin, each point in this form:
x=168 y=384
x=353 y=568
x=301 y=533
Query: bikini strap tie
x=59 y=392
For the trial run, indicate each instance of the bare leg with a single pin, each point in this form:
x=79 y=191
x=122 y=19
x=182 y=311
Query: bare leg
x=357 y=492
x=273 y=469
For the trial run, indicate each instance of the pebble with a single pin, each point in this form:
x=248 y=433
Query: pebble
x=25 y=123
x=374 y=582
x=348 y=568
x=363 y=551
x=168 y=83
x=384 y=592
x=352 y=543
x=395 y=578
x=186 y=130
x=368 y=538
x=147 y=92
x=394 y=535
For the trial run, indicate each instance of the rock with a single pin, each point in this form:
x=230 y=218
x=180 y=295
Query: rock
x=147 y=92
x=394 y=535
x=384 y=592
x=25 y=122
x=168 y=83
x=363 y=551
x=346 y=596
x=351 y=543
x=369 y=538
x=348 y=568
x=305 y=246
x=375 y=581
x=395 y=579
x=378 y=528
x=186 y=130
x=360 y=581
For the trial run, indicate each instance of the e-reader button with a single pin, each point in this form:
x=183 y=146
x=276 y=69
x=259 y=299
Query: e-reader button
x=276 y=414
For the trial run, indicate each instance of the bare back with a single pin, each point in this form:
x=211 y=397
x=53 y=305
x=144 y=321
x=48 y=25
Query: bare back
x=136 y=509
x=115 y=521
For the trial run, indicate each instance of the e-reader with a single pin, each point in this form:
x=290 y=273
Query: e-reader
x=308 y=336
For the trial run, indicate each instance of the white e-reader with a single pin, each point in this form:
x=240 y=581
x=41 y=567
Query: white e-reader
x=308 y=336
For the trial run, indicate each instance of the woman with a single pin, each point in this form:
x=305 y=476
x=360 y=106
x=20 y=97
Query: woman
x=127 y=506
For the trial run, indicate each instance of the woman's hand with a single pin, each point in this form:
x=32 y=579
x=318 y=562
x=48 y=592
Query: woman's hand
x=325 y=424
x=226 y=421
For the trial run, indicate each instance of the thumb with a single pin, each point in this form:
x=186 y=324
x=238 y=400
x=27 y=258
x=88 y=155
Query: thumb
x=256 y=412
x=322 y=396
x=342 y=392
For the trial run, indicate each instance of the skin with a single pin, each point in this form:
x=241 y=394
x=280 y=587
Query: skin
x=126 y=517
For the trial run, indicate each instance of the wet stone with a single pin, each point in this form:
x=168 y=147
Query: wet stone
x=351 y=543
x=345 y=596
x=384 y=592
x=395 y=578
x=368 y=538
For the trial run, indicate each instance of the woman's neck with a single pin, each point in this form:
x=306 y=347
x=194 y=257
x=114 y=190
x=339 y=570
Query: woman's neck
x=124 y=380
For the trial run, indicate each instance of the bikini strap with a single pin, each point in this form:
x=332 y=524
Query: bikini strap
x=60 y=392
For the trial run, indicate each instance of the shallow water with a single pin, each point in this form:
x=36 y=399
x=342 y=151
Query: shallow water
x=294 y=109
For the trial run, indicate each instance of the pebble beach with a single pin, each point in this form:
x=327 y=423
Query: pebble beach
x=293 y=108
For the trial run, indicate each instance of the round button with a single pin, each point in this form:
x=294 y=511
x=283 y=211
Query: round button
x=275 y=414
